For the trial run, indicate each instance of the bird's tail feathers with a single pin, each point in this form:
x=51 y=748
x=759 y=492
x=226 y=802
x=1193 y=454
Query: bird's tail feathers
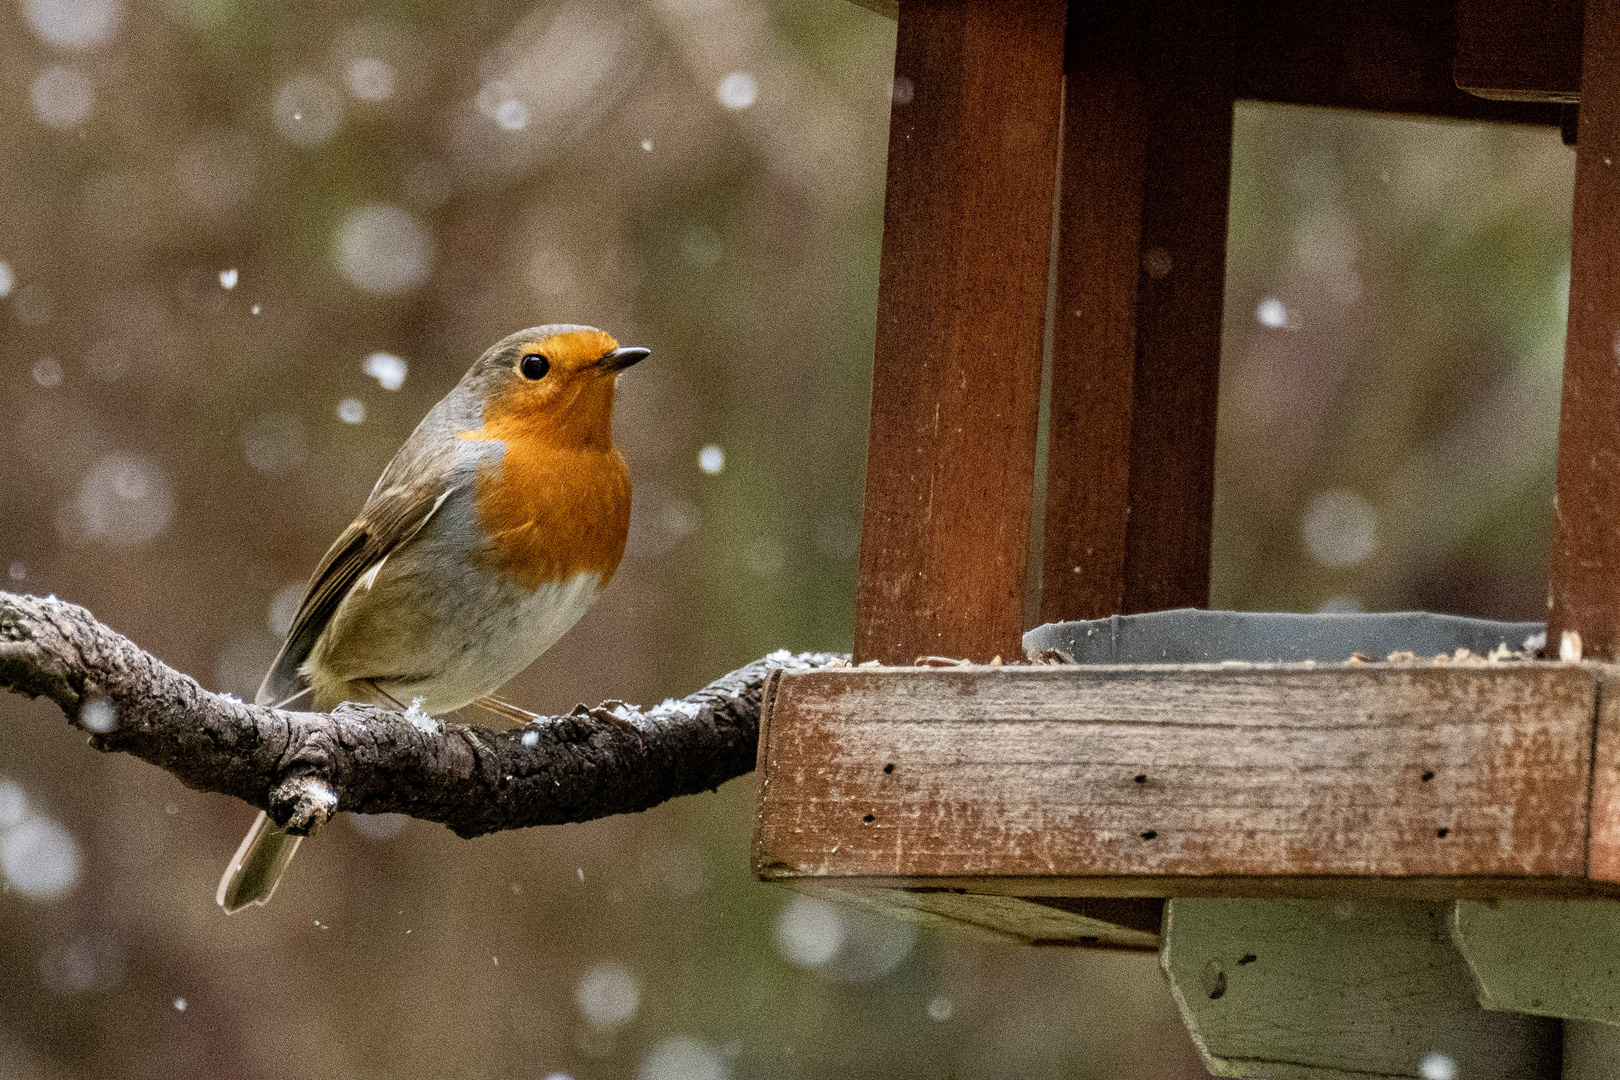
x=257 y=866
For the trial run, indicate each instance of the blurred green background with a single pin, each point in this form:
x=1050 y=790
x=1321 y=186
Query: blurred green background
x=214 y=216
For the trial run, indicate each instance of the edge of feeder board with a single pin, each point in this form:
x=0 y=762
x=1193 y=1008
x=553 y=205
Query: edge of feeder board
x=1010 y=797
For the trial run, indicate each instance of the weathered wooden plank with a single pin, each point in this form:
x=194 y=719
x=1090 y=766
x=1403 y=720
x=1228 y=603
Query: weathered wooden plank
x=1147 y=150
x=1520 y=50
x=1585 y=592
x=961 y=320
x=1330 y=990
x=1397 y=55
x=1380 y=55
x=1105 y=924
x=1603 y=841
x=1159 y=778
x=1546 y=957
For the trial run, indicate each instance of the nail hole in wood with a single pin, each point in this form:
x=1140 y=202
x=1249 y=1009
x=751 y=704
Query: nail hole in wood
x=1214 y=980
x=1141 y=778
x=1441 y=833
x=1248 y=958
x=889 y=768
x=1428 y=776
x=1150 y=834
x=869 y=819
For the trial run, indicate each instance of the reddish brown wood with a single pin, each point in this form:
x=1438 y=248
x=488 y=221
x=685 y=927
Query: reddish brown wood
x=1136 y=345
x=1380 y=55
x=1519 y=50
x=1603 y=844
x=1396 y=55
x=1585 y=592
x=1183 y=779
x=961 y=317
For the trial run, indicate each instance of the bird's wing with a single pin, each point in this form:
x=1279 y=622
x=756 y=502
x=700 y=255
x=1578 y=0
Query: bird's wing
x=391 y=516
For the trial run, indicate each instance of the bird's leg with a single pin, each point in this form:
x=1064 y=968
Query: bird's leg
x=383 y=694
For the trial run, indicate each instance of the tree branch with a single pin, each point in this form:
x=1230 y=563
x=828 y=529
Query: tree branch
x=304 y=767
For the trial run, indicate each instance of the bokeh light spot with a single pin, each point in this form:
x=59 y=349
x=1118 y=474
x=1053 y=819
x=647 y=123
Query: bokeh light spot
x=307 y=110
x=1437 y=1066
x=1272 y=313
x=370 y=79
x=809 y=932
x=383 y=249
x=62 y=97
x=1339 y=528
x=39 y=858
x=737 y=90
x=388 y=369
x=98 y=715
x=681 y=1058
x=125 y=501
x=275 y=443
x=84 y=964
x=608 y=996
x=13 y=804
x=73 y=24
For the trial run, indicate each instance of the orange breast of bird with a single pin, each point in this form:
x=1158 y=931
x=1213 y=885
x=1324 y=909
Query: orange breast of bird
x=557 y=501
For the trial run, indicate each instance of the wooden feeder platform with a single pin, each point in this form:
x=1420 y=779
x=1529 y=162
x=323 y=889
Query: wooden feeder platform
x=1054 y=241
x=1060 y=804
x=1349 y=870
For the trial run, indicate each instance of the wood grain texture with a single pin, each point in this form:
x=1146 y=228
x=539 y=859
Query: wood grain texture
x=1333 y=990
x=1397 y=55
x=1586 y=542
x=1520 y=50
x=1099 y=924
x=1137 y=323
x=1603 y=841
x=961 y=320
x=1167 y=780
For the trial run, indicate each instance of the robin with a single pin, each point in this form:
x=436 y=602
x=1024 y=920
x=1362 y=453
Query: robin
x=496 y=525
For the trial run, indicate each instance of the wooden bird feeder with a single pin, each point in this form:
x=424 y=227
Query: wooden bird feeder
x=1417 y=864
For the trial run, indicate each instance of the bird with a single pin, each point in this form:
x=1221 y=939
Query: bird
x=497 y=524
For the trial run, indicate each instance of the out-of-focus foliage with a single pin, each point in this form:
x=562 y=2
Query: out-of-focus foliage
x=1396 y=295
x=215 y=215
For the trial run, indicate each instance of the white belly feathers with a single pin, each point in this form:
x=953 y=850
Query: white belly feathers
x=438 y=626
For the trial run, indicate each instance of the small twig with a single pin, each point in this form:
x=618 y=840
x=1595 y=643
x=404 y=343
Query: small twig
x=304 y=767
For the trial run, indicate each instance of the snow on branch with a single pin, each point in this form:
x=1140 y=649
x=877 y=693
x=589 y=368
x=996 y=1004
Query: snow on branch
x=304 y=767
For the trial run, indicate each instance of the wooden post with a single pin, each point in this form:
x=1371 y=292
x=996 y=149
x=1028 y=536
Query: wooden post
x=1136 y=348
x=1585 y=593
x=961 y=318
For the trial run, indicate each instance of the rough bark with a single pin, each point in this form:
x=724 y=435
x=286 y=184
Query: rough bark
x=304 y=767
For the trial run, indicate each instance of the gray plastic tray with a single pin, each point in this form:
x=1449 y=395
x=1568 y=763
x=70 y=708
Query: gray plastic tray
x=1194 y=636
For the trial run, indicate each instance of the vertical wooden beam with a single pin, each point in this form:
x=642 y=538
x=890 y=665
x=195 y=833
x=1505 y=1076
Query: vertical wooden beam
x=1136 y=341
x=1585 y=593
x=961 y=318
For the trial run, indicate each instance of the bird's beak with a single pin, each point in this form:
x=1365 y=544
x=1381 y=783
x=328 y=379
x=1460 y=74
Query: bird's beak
x=621 y=358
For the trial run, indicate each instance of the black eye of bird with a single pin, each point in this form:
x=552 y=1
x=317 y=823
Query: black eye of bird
x=534 y=366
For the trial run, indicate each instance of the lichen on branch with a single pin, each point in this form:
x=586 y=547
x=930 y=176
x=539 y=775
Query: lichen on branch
x=304 y=767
